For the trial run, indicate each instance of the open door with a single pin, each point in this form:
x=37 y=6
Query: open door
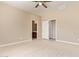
x=49 y=29
x=52 y=29
x=45 y=29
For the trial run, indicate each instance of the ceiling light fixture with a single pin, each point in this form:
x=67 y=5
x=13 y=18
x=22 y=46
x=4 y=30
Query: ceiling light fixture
x=40 y=3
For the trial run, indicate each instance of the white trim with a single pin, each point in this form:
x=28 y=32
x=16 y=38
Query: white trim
x=73 y=43
x=13 y=43
x=45 y=39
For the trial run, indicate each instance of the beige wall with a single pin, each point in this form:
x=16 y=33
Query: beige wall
x=15 y=24
x=67 y=21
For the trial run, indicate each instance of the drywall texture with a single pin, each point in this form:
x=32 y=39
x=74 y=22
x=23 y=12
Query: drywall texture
x=67 y=22
x=15 y=24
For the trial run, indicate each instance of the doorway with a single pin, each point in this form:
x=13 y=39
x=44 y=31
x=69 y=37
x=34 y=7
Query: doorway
x=49 y=29
x=45 y=29
x=34 y=30
x=52 y=29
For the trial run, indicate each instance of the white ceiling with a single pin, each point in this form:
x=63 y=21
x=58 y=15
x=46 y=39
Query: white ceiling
x=30 y=6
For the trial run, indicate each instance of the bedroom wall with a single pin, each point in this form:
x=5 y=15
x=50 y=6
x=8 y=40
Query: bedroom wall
x=15 y=24
x=67 y=22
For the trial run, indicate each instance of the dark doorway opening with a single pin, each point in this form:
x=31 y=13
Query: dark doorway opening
x=34 y=30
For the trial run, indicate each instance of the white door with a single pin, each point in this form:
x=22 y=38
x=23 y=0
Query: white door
x=45 y=29
x=52 y=29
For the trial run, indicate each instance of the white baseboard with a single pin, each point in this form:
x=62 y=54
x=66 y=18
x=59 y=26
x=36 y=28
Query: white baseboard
x=14 y=43
x=45 y=39
x=73 y=43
